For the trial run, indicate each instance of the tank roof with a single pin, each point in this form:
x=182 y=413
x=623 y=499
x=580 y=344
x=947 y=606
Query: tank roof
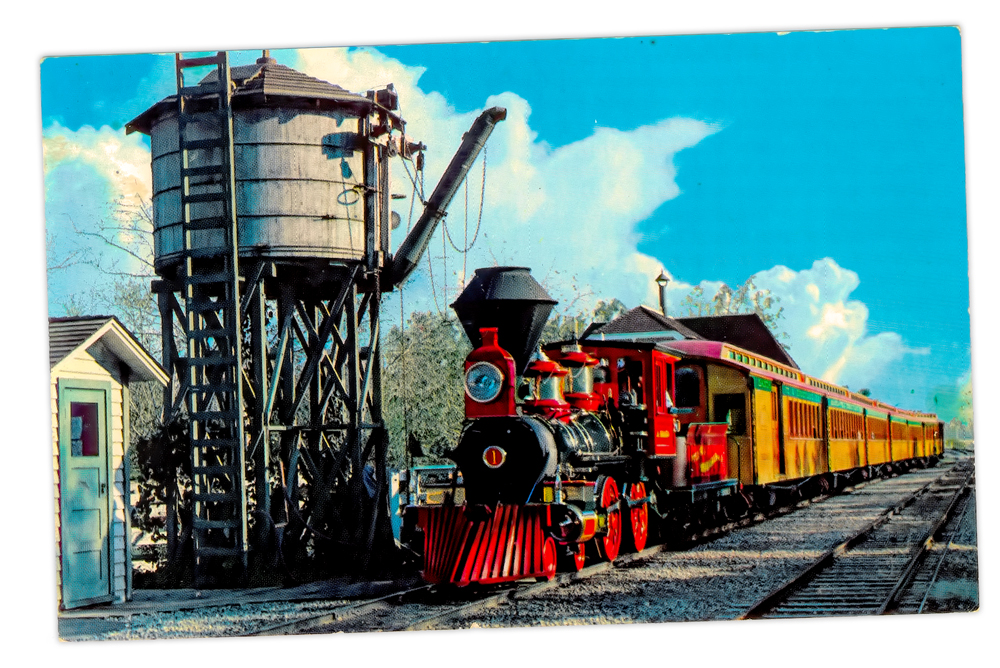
x=268 y=83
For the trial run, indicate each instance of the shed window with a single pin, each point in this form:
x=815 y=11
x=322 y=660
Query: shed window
x=83 y=429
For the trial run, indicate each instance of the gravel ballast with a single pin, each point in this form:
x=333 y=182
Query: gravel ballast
x=721 y=579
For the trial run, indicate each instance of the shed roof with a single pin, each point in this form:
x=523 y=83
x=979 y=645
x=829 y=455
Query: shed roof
x=67 y=335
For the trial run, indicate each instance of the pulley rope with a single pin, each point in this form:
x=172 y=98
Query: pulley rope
x=418 y=191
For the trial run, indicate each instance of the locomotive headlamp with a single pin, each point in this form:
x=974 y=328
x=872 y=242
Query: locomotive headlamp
x=483 y=382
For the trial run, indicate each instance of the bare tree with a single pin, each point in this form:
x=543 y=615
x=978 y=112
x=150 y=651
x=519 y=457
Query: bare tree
x=747 y=298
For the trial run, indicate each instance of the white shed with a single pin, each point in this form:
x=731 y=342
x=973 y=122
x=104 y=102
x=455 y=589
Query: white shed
x=92 y=361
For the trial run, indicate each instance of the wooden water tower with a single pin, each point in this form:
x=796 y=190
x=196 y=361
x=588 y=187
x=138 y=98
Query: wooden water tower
x=272 y=243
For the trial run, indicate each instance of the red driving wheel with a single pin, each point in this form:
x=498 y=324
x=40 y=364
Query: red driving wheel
x=549 y=558
x=610 y=543
x=638 y=516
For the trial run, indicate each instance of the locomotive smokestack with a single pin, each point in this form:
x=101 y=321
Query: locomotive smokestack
x=509 y=299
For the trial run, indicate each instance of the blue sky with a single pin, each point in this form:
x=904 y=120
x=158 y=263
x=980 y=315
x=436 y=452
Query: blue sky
x=829 y=164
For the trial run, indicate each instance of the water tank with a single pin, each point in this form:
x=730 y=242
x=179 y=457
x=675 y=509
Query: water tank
x=299 y=163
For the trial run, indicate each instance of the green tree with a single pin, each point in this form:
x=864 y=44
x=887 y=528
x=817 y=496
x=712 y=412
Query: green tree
x=959 y=431
x=423 y=391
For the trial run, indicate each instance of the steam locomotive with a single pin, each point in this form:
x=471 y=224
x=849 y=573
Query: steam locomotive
x=581 y=449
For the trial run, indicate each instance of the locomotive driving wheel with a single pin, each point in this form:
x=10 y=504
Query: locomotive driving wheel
x=549 y=560
x=608 y=500
x=638 y=526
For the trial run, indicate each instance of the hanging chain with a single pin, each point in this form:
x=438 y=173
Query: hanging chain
x=405 y=374
x=444 y=262
x=465 y=225
x=479 y=222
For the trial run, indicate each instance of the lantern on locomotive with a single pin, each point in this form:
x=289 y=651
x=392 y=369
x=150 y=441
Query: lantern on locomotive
x=536 y=474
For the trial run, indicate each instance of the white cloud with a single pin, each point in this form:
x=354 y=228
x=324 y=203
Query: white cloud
x=569 y=212
x=827 y=330
x=122 y=161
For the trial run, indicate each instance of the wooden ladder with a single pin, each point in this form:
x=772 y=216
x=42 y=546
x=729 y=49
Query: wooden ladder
x=212 y=312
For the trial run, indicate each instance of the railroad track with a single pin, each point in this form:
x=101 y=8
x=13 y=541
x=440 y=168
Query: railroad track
x=424 y=607
x=920 y=591
x=865 y=574
x=430 y=606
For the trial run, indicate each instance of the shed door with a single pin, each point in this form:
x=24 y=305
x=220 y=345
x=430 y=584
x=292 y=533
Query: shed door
x=85 y=521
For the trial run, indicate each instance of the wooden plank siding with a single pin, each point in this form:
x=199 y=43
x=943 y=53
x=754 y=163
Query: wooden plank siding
x=765 y=431
x=81 y=365
x=877 y=425
x=846 y=435
x=902 y=446
x=805 y=445
x=787 y=426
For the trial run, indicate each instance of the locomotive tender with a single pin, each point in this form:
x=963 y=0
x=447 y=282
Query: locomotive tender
x=583 y=448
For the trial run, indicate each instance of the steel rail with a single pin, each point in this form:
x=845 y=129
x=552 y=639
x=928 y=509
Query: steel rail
x=944 y=554
x=701 y=536
x=923 y=546
x=524 y=591
x=777 y=596
x=338 y=614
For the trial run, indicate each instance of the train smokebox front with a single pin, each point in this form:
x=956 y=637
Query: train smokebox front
x=511 y=300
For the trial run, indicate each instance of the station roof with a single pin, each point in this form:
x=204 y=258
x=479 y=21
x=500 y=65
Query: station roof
x=744 y=330
x=642 y=323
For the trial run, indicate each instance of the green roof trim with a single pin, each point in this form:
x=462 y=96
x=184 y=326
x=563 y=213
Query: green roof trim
x=843 y=405
x=763 y=384
x=876 y=414
x=805 y=395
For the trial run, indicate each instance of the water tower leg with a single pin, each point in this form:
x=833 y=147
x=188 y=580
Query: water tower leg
x=163 y=299
x=317 y=386
x=264 y=549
